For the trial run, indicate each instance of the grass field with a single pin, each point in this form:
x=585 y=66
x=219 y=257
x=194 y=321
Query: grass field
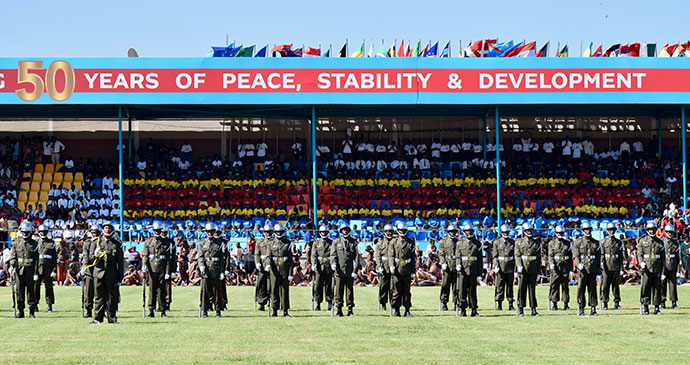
x=370 y=337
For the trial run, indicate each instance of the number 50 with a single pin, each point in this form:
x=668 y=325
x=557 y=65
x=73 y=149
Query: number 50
x=24 y=76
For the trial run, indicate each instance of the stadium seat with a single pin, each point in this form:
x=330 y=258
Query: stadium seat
x=77 y=185
x=37 y=176
x=57 y=178
x=33 y=197
x=43 y=197
x=68 y=177
x=47 y=177
x=22 y=197
x=35 y=186
x=45 y=186
x=79 y=177
x=38 y=168
x=26 y=176
x=49 y=168
x=21 y=206
x=67 y=185
x=25 y=186
x=59 y=166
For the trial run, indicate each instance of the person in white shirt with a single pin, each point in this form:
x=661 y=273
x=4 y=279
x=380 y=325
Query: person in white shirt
x=241 y=152
x=47 y=151
x=625 y=150
x=436 y=151
x=548 y=150
x=421 y=149
x=534 y=151
x=638 y=149
x=445 y=152
x=466 y=150
x=236 y=163
x=249 y=151
x=392 y=150
x=380 y=165
x=141 y=166
x=526 y=143
x=261 y=148
x=455 y=149
x=297 y=148
x=107 y=182
x=186 y=150
x=424 y=163
x=588 y=148
x=411 y=150
x=567 y=147
x=183 y=165
x=347 y=146
x=380 y=151
x=477 y=149
x=577 y=150
x=57 y=148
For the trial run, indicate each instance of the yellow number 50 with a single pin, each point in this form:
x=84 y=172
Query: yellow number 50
x=24 y=76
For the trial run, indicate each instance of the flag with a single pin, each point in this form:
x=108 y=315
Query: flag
x=588 y=50
x=528 y=50
x=245 y=52
x=408 y=53
x=496 y=50
x=261 y=52
x=446 y=51
x=597 y=53
x=563 y=52
x=611 y=50
x=312 y=52
x=229 y=51
x=676 y=50
x=391 y=50
x=474 y=49
x=686 y=50
x=668 y=51
x=433 y=51
x=359 y=52
x=343 y=51
x=328 y=52
x=381 y=52
x=634 y=50
x=648 y=50
x=544 y=51
x=233 y=51
x=281 y=47
x=415 y=49
x=487 y=44
x=371 y=50
x=287 y=52
x=423 y=52
x=623 y=51
x=512 y=51
x=401 y=50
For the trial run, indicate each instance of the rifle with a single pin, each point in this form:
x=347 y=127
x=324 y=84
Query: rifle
x=268 y=285
x=14 y=296
x=378 y=302
x=201 y=295
x=390 y=296
x=83 y=284
x=334 y=292
x=143 y=305
x=440 y=304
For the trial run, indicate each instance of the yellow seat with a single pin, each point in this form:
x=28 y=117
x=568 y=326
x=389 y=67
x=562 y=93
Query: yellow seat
x=49 y=168
x=21 y=206
x=38 y=168
x=76 y=185
x=43 y=197
x=59 y=166
x=47 y=177
x=22 y=197
x=67 y=185
x=68 y=177
x=26 y=176
x=37 y=177
x=35 y=186
x=79 y=177
x=33 y=197
x=45 y=186
x=57 y=178
x=25 y=186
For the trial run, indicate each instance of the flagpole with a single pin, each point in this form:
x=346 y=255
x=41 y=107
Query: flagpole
x=580 y=48
x=558 y=47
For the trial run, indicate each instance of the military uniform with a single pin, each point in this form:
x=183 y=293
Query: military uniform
x=320 y=257
x=212 y=265
x=671 y=262
x=344 y=255
x=612 y=262
x=172 y=269
x=401 y=253
x=87 y=280
x=528 y=256
x=446 y=255
x=281 y=268
x=262 y=255
x=108 y=262
x=155 y=257
x=47 y=265
x=560 y=257
x=504 y=261
x=228 y=266
x=469 y=256
x=24 y=259
x=587 y=252
x=650 y=250
x=383 y=262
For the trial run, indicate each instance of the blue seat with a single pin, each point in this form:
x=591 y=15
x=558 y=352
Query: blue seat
x=373 y=204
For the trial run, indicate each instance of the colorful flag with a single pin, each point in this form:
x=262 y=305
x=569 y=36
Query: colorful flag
x=433 y=51
x=677 y=50
x=408 y=53
x=359 y=52
x=415 y=49
x=279 y=48
x=474 y=49
x=328 y=52
x=371 y=50
x=423 y=52
x=245 y=52
x=610 y=52
x=487 y=44
x=496 y=50
x=597 y=53
x=512 y=51
x=312 y=52
x=261 y=52
x=623 y=51
x=528 y=50
x=588 y=50
x=343 y=51
x=634 y=49
x=401 y=50
x=544 y=51
x=667 y=51
x=446 y=51
x=648 y=50
x=391 y=50
x=686 y=50
x=563 y=52
x=381 y=51
x=220 y=51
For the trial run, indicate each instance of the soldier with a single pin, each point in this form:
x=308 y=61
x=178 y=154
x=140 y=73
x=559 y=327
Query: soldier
x=528 y=261
x=47 y=267
x=212 y=267
x=344 y=257
x=262 y=256
x=587 y=254
x=650 y=255
x=447 y=259
x=504 y=268
x=671 y=262
x=320 y=257
x=172 y=265
x=86 y=272
x=108 y=262
x=24 y=265
x=612 y=264
x=560 y=257
x=469 y=266
x=218 y=234
x=401 y=253
x=281 y=270
x=155 y=262
x=383 y=265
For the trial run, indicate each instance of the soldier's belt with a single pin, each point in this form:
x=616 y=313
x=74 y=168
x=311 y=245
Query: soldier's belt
x=215 y=258
x=653 y=256
x=559 y=257
x=608 y=256
x=280 y=259
x=263 y=257
x=22 y=260
x=450 y=257
x=528 y=258
x=408 y=261
x=505 y=258
x=397 y=260
x=45 y=256
x=159 y=257
x=591 y=257
x=322 y=258
x=384 y=258
x=469 y=258
x=673 y=255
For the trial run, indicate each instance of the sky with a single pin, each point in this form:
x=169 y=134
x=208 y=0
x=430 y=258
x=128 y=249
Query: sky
x=173 y=28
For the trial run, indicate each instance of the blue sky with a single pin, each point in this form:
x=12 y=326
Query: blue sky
x=176 y=28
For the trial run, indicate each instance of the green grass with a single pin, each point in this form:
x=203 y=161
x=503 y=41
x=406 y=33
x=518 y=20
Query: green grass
x=370 y=337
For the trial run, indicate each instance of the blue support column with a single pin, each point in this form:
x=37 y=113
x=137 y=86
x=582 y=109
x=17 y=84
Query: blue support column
x=684 y=152
x=498 y=170
x=120 y=181
x=484 y=136
x=313 y=164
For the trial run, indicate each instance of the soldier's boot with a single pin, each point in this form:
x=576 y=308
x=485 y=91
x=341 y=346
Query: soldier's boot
x=112 y=320
x=521 y=312
x=444 y=307
x=593 y=312
x=31 y=313
x=339 y=313
x=318 y=307
x=350 y=313
x=663 y=305
x=605 y=306
x=330 y=305
x=580 y=311
x=35 y=308
x=151 y=314
x=20 y=314
x=163 y=315
x=396 y=312
x=535 y=313
x=475 y=313
x=286 y=314
x=463 y=312
x=262 y=307
x=566 y=307
x=205 y=315
x=499 y=305
x=510 y=305
x=50 y=308
x=656 y=310
x=646 y=310
x=617 y=306
x=275 y=313
x=554 y=306
x=218 y=314
x=383 y=307
x=674 y=305
x=407 y=312
x=88 y=313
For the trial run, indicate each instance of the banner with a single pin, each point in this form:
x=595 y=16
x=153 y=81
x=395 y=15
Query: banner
x=336 y=81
